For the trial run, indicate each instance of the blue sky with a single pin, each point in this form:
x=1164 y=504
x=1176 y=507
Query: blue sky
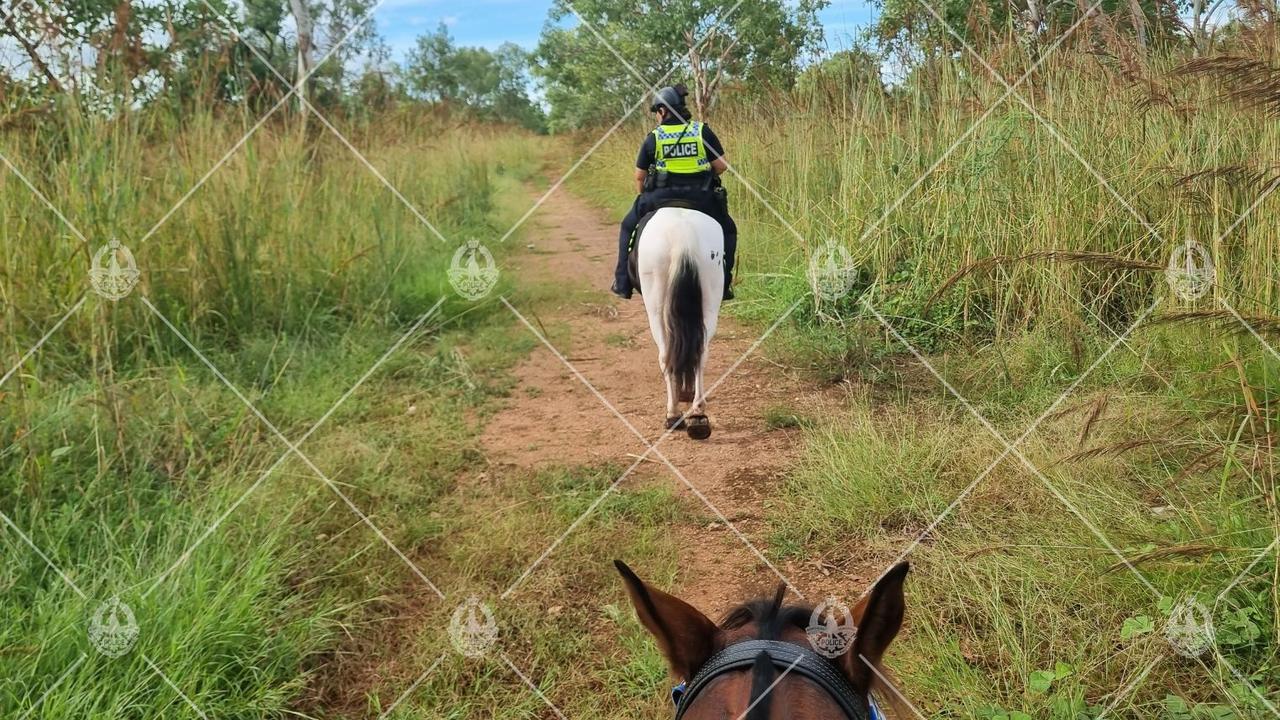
x=490 y=23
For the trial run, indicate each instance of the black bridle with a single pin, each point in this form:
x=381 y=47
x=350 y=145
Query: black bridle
x=794 y=659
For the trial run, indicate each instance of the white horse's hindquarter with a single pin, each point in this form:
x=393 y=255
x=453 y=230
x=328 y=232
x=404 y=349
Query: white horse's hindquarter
x=671 y=236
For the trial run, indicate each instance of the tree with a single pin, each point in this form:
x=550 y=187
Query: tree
x=128 y=53
x=906 y=25
x=491 y=84
x=759 y=44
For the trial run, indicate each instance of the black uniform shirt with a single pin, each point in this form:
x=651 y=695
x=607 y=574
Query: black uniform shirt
x=649 y=147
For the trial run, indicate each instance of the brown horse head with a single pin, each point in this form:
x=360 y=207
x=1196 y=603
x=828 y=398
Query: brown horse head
x=757 y=689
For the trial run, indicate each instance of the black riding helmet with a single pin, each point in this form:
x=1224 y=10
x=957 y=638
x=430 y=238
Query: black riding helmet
x=671 y=98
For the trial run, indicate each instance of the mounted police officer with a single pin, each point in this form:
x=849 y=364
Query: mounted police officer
x=681 y=160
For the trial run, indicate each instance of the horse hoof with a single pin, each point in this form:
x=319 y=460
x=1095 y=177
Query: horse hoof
x=698 y=427
x=675 y=423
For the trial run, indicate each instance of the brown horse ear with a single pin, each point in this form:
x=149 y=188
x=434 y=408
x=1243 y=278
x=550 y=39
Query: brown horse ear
x=878 y=618
x=684 y=635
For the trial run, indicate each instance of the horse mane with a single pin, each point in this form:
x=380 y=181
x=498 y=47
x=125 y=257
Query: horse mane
x=769 y=614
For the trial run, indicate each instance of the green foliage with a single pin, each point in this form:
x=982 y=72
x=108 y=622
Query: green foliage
x=758 y=48
x=905 y=25
x=293 y=270
x=494 y=85
x=183 y=52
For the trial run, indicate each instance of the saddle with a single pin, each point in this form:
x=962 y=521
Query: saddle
x=633 y=266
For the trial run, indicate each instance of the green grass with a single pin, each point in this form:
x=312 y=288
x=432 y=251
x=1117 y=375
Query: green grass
x=292 y=269
x=1013 y=582
x=568 y=625
x=1177 y=467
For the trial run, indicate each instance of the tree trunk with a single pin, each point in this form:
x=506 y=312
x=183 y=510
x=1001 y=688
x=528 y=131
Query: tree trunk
x=32 y=52
x=302 y=18
x=1033 y=19
x=1139 y=23
x=699 y=75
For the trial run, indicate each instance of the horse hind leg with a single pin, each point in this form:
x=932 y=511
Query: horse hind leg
x=698 y=426
x=675 y=420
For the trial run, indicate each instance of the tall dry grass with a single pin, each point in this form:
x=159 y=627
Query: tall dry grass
x=1013 y=251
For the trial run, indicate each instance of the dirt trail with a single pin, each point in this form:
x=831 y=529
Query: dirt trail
x=552 y=418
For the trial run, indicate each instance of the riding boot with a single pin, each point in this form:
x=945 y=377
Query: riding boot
x=621 y=279
x=730 y=254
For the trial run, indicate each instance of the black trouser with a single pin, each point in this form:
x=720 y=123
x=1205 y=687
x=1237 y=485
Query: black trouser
x=650 y=201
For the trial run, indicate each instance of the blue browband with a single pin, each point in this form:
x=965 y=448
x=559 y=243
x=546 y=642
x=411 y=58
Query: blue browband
x=791 y=658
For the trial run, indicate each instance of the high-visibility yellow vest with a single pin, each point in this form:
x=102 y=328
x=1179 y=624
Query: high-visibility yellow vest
x=680 y=149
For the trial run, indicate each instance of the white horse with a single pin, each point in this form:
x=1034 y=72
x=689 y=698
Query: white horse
x=680 y=261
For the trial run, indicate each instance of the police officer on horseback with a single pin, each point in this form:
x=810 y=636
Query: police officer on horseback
x=680 y=161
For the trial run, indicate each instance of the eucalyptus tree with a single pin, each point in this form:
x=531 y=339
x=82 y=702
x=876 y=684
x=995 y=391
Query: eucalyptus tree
x=591 y=51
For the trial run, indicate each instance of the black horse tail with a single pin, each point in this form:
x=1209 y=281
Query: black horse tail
x=686 y=333
x=762 y=678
